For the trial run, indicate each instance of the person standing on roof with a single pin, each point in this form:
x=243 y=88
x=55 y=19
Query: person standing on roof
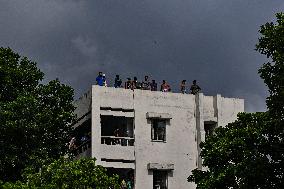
x=146 y=83
x=117 y=82
x=183 y=87
x=128 y=84
x=104 y=80
x=154 y=85
x=136 y=84
x=165 y=87
x=100 y=80
x=195 y=88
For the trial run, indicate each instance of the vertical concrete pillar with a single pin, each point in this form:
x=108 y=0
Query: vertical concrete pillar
x=217 y=104
x=96 y=125
x=200 y=132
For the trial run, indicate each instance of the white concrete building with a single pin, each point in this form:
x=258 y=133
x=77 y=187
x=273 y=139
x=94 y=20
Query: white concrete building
x=150 y=135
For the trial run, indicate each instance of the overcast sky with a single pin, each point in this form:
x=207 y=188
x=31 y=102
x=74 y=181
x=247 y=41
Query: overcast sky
x=211 y=41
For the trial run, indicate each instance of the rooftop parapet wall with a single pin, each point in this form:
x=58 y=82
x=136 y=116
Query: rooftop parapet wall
x=119 y=98
x=115 y=98
x=123 y=99
x=221 y=109
x=228 y=109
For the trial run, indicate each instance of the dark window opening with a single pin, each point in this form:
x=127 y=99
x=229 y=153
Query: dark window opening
x=116 y=109
x=158 y=130
x=117 y=160
x=160 y=179
x=209 y=128
x=81 y=140
x=117 y=130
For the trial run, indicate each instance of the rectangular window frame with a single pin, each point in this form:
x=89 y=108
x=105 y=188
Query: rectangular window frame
x=154 y=133
x=162 y=174
x=209 y=128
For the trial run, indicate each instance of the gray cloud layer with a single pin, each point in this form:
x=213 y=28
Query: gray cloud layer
x=211 y=41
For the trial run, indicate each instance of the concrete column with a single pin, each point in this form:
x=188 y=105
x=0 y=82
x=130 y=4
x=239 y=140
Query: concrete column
x=200 y=133
x=217 y=107
x=96 y=125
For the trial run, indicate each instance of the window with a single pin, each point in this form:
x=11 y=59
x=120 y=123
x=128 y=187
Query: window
x=117 y=130
x=160 y=179
x=118 y=126
x=158 y=130
x=209 y=128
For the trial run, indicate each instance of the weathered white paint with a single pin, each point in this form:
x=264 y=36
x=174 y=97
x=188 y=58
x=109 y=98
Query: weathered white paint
x=159 y=166
x=185 y=115
x=117 y=152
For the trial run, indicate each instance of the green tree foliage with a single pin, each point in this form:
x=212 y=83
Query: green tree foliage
x=35 y=118
x=271 y=44
x=239 y=156
x=249 y=153
x=63 y=173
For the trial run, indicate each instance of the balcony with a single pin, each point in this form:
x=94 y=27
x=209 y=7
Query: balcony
x=80 y=144
x=113 y=140
x=83 y=150
x=117 y=139
x=117 y=149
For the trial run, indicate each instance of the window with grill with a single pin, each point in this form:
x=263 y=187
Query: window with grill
x=158 y=130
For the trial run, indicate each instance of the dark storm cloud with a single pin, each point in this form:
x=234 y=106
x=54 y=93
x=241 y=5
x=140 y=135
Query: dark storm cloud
x=211 y=41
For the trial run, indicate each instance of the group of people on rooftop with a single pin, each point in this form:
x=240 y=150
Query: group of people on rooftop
x=146 y=84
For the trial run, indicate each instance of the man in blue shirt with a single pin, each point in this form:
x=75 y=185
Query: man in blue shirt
x=100 y=79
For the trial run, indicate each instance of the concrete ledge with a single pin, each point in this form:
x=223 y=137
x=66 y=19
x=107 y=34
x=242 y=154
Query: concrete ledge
x=118 y=165
x=117 y=113
x=151 y=115
x=159 y=166
x=210 y=120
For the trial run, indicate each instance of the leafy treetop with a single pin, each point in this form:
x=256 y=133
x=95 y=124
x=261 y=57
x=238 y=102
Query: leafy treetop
x=271 y=44
x=65 y=174
x=35 y=118
x=249 y=153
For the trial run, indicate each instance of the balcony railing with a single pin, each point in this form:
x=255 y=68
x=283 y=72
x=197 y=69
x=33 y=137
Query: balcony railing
x=122 y=141
x=82 y=147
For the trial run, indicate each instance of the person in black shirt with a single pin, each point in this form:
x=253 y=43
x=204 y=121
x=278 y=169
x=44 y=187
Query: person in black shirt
x=128 y=84
x=195 y=88
x=136 y=84
x=117 y=82
x=146 y=84
x=153 y=85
